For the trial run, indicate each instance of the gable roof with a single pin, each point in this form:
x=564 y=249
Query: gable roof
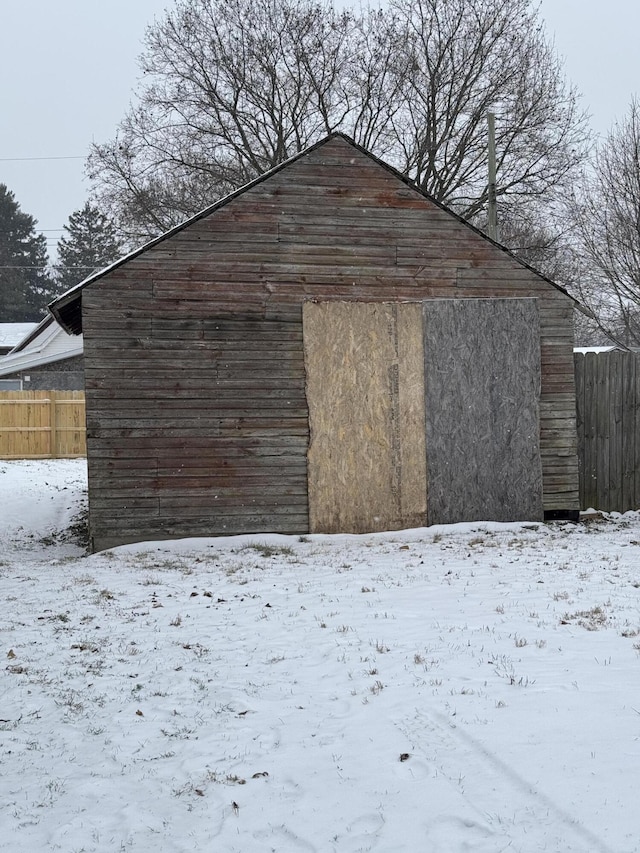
x=12 y=333
x=67 y=308
x=45 y=344
x=35 y=331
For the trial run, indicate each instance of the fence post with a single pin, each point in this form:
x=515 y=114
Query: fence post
x=53 y=436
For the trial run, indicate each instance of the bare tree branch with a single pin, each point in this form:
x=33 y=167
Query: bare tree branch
x=233 y=87
x=607 y=213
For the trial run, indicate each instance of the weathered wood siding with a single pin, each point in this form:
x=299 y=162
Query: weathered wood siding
x=333 y=224
x=365 y=387
x=608 y=411
x=482 y=374
x=198 y=428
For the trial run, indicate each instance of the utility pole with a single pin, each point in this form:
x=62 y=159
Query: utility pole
x=492 y=224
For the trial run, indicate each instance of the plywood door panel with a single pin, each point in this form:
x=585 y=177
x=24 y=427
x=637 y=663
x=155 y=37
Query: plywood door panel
x=482 y=375
x=365 y=390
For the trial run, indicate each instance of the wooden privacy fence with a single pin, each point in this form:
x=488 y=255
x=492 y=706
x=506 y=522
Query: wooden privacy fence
x=608 y=418
x=42 y=424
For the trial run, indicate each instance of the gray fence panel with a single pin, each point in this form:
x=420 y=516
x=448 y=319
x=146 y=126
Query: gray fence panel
x=608 y=418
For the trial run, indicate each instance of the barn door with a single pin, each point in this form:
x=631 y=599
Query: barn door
x=365 y=390
x=422 y=413
x=482 y=381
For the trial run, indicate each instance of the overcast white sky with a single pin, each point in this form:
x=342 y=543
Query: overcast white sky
x=68 y=69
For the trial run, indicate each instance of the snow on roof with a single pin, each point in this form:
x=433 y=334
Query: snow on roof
x=585 y=350
x=12 y=333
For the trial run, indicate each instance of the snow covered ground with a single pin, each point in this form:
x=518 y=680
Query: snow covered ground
x=464 y=688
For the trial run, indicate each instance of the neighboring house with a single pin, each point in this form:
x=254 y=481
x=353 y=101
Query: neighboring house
x=12 y=333
x=45 y=358
x=326 y=349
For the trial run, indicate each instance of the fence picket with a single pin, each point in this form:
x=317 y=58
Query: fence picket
x=42 y=424
x=608 y=417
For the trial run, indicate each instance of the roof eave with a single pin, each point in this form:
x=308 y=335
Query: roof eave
x=11 y=364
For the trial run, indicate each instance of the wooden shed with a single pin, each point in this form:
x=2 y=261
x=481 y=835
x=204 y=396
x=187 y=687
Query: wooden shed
x=326 y=349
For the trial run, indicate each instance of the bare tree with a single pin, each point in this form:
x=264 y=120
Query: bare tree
x=465 y=59
x=538 y=239
x=607 y=212
x=233 y=87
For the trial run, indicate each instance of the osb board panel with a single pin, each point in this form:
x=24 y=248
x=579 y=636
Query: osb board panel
x=482 y=375
x=365 y=389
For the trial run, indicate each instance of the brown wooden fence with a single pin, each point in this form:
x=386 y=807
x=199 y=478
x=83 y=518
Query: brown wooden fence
x=608 y=417
x=42 y=424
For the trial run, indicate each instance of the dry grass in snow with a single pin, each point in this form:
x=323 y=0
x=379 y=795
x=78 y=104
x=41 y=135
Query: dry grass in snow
x=464 y=688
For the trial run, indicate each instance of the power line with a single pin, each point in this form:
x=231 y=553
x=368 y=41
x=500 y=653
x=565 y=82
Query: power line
x=22 y=159
x=28 y=267
x=40 y=231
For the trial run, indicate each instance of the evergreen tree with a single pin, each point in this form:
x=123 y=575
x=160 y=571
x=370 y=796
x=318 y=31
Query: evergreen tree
x=88 y=245
x=25 y=284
